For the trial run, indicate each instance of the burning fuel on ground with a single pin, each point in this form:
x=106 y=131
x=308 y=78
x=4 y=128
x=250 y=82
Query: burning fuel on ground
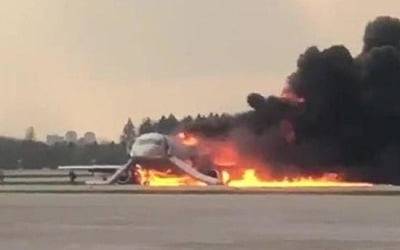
x=248 y=179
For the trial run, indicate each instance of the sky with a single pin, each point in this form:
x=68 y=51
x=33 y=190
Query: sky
x=88 y=65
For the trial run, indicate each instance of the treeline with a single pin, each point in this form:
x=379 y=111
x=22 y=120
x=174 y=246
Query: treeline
x=170 y=124
x=31 y=154
x=26 y=154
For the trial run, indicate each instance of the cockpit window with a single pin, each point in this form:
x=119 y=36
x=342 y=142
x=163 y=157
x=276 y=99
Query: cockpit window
x=149 y=141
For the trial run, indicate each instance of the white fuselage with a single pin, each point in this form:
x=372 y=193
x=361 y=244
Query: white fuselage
x=158 y=146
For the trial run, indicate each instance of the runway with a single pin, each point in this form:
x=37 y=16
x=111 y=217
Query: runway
x=174 y=222
x=377 y=190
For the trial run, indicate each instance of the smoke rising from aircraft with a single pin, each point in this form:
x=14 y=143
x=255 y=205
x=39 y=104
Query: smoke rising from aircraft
x=341 y=113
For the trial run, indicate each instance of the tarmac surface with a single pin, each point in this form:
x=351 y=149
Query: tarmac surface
x=376 y=190
x=174 y=222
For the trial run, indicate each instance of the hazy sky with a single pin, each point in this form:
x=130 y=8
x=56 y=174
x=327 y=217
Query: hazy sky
x=89 y=65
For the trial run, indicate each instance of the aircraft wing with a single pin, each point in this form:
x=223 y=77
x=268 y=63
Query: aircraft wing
x=113 y=178
x=89 y=167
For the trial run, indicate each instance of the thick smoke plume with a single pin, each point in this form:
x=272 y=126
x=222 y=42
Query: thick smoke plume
x=337 y=113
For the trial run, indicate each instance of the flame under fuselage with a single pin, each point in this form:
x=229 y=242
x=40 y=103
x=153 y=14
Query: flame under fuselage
x=170 y=154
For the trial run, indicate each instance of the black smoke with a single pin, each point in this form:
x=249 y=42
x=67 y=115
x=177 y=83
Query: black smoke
x=349 y=121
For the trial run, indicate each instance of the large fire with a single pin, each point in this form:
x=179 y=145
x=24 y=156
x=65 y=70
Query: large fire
x=249 y=178
x=226 y=159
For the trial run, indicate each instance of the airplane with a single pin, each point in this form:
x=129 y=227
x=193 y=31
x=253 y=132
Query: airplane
x=178 y=153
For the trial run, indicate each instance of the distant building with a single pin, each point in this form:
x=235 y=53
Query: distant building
x=89 y=138
x=53 y=139
x=71 y=137
x=81 y=141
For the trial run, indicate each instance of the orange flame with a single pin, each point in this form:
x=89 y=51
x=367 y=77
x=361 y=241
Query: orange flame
x=225 y=155
x=188 y=140
x=151 y=177
x=249 y=178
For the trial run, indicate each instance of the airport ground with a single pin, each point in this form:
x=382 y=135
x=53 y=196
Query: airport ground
x=173 y=222
x=40 y=210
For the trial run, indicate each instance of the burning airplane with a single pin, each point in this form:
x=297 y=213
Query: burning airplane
x=186 y=160
x=173 y=155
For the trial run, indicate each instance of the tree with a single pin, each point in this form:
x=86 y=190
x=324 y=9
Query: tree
x=199 y=118
x=128 y=134
x=186 y=120
x=172 y=123
x=147 y=126
x=30 y=134
x=162 y=125
x=166 y=125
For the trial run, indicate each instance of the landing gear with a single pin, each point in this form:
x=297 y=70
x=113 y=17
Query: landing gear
x=212 y=173
x=1 y=177
x=125 y=177
x=72 y=176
